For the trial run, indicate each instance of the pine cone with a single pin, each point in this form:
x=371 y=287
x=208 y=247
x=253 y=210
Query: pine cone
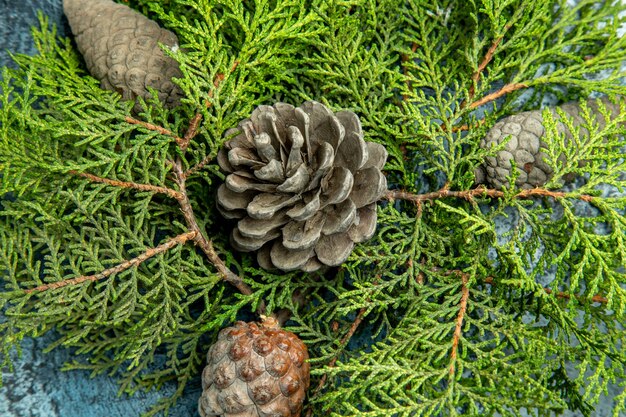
x=121 y=49
x=303 y=184
x=525 y=146
x=255 y=371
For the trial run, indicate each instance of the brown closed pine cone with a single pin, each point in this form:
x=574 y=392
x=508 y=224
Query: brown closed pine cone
x=121 y=49
x=255 y=370
x=525 y=146
x=303 y=185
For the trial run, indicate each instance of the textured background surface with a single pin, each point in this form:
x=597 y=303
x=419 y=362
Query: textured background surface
x=37 y=387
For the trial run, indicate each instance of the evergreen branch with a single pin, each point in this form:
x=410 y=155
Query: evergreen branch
x=481 y=192
x=344 y=340
x=205 y=244
x=491 y=281
x=457 y=339
x=216 y=82
x=125 y=184
x=191 y=132
x=560 y=294
x=197 y=167
x=486 y=60
x=155 y=128
x=465 y=127
x=458 y=328
x=405 y=70
x=509 y=88
x=178 y=240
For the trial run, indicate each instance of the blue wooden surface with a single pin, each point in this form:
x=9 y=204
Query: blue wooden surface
x=38 y=388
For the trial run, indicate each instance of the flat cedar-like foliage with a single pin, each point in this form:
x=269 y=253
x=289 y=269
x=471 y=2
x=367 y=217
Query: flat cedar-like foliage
x=453 y=316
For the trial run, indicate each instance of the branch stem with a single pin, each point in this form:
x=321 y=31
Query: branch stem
x=205 y=244
x=458 y=328
x=480 y=192
x=486 y=60
x=124 y=184
x=560 y=294
x=191 y=132
x=154 y=128
x=178 y=240
x=197 y=167
x=509 y=88
x=344 y=340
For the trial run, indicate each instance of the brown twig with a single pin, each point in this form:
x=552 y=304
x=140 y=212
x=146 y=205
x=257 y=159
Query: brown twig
x=205 y=244
x=405 y=70
x=185 y=205
x=193 y=125
x=463 y=309
x=464 y=127
x=486 y=60
x=509 y=88
x=458 y=328
x=192 y=131
x=178 y=240
x=218 y=79
x=480 y=192
x=197 y=167
x=124 y=184
x=344 y=340
x=560 y=294
x=155 y=128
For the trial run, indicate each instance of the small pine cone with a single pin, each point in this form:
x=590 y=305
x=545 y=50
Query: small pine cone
x=303 y=185
x=255 y=371
x=121 y=49
x=525 y=145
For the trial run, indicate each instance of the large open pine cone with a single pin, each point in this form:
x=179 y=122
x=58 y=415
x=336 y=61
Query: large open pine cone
x=303 y=184
x=255 y=371
x=525 y=145
x=121 y=49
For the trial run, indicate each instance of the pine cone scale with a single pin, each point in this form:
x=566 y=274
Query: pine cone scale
x=289 y=259
x=352 y=153
x=307 y=208
x=265 y=205
x=310 y=165
x=339 y=217
x=255 y=228
x=369 y=185
x=303 y=234
x=363 y=229
x=334 y=249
